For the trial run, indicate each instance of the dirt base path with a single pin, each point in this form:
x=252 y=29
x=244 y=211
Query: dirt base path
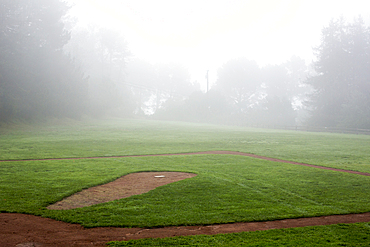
x=28 y=230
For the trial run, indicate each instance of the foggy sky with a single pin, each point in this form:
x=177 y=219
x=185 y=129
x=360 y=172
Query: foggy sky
x=205 y=34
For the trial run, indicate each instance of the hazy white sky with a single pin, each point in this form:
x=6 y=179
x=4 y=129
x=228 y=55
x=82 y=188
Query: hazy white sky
x=204 y=34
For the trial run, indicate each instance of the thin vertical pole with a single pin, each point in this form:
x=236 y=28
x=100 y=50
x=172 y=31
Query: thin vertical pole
x=207 y=80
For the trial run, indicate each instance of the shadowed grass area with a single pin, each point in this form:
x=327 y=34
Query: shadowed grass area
x=332 y=235
x=134 y=137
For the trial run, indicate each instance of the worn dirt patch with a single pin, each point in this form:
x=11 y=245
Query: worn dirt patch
x=126 y=186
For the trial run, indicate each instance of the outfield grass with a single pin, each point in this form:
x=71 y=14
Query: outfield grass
x=134 y=137
x=227 y=189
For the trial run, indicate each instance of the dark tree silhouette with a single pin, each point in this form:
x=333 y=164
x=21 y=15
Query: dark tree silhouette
x=342 y=84
x=37 y=79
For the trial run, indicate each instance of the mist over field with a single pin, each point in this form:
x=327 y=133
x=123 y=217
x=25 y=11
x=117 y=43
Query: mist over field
x=222 y=82
x=249 y=63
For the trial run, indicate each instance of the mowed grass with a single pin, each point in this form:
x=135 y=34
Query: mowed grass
x=332 y=235
x=227 y=189
x=135 y=137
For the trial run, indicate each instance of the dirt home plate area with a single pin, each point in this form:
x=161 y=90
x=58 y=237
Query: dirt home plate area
x=27 y=230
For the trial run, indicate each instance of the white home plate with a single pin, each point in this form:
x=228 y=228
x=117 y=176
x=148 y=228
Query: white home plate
x=159 y=176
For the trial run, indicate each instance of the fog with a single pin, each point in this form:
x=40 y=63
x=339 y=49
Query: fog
x=250 y=63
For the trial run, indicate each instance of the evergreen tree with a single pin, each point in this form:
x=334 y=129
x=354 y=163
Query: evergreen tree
x=342 y=84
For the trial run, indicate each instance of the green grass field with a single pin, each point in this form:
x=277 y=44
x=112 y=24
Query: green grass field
x=354 y=235
x=134 y=137
x=227 y=189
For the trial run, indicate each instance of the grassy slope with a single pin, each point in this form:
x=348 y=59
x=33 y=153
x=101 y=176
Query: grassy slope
x=127 y=137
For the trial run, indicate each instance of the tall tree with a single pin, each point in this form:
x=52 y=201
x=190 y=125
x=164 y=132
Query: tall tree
x=103 y=53
x=239 y=79
x=141 y=76
x=157 y=86
x=342 y=83
x=36 y=78
x=284 y=91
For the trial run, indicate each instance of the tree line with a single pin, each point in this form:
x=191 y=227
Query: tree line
x=45 y=72
x=333 y=91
